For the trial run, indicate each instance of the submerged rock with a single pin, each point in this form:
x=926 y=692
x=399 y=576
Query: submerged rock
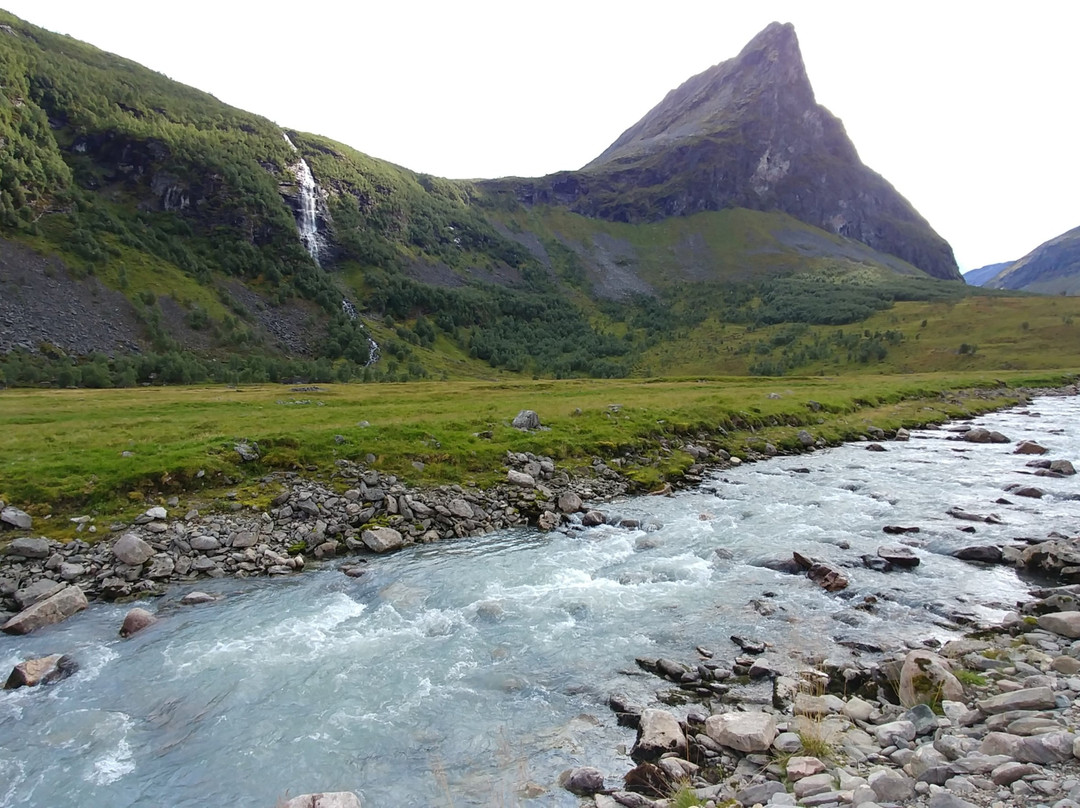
x=136 y=620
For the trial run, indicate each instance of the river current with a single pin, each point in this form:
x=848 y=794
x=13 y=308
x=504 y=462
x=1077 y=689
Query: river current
x=472 y=672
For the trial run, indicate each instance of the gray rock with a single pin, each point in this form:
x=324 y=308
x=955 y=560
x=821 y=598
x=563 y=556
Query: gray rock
x=583 y=780
x=131 y=550
x=593 y=519
x=515 y=477
x=746 y=732
x=814 y=784
x=526 y=420
x=943 y=799
x=887 y=734
x=29 y=548
x=759 y=793
x=1030 y=447
x=192 y=598
x=1035 y=698
x=37 y=591
x=1062 y=467
x=60 y=606
x=891 y=786
x=460 y=508
x=1067 y=624
x=1050 y=747
x=335 y=799
x=13 y=517
x=382 y=539
x=569 y=502
x=926 y=678
x=987 y=553
x=162 y=566
x=1000 y=743
x=245 y=538
x=248 y=450
x=658 y=732
x=70 y=572
x=204 y=543
x=899 y=556
x=1008 y=773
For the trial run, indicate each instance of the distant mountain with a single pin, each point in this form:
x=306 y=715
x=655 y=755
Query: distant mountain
x=746 y=133
x=139 y=216
x=1051 y=268
x=979 y=277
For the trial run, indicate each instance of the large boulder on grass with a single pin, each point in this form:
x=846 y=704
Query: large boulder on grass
x=526 y=420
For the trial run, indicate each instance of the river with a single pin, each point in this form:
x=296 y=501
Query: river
x=462 y=673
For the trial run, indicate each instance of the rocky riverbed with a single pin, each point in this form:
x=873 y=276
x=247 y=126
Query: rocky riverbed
x=764 y=673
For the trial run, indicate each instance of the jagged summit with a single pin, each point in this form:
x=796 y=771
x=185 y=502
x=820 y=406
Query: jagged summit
x=748 y=133
x=771 y=62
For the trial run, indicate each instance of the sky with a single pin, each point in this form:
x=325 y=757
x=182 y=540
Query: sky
x=967 y=108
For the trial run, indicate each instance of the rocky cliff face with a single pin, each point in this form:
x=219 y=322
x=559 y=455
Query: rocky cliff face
x=747 y=133
x=1051 y=268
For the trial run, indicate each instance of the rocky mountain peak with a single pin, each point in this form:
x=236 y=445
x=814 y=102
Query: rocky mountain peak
x=769 y=69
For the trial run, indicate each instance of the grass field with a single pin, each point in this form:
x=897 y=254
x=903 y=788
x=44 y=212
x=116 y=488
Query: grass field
x=112 y=452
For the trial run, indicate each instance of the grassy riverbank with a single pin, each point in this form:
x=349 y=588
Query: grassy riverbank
x=110 y=452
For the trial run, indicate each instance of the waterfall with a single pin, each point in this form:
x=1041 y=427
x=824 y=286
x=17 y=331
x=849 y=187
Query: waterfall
x=373 y=347
x=307 y=218
x=307 y=223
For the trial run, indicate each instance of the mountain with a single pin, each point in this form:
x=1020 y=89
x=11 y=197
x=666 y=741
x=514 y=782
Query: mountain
x=1051 y=268
x=143 y=218
x=979 y=277
x=746 y=133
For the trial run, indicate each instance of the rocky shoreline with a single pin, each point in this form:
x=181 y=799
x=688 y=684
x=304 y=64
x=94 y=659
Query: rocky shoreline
x=999 y=735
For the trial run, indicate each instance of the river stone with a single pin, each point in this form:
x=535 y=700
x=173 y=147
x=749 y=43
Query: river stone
x=29 y=548
x=1033 y=698
x=460 y=508
x=328 y=799
x=1008 y=773
x=800 y=767
x=515 y=477
x=925 y=678
x=1050 y=747
x=759 y=793
x=658 y=732
x=583 y=780
x=205 y=544
x=161 y=567
x=37 y=591
x=69 y=572
x=899 y=556
x=1030 y=447
x=44 y=670
x=569 y=502
x=891 y=786
x=888 y=734
x=548 y=520
x=192 y=598
x=1062 y=467
x=136 y=620
x=828 y=578
x=1029 y=491
x=60 y=606
x=526 y=420
x=15 y=518
x=987 y=553
x=382 y=539
x=943 y=799
x=980 y=435
x=746 y=732
x=1067 y=624
x=593 y=519
x=245 y=538
x=131 y=550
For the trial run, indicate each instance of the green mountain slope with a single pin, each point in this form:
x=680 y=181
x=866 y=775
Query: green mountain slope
x=1051 y=268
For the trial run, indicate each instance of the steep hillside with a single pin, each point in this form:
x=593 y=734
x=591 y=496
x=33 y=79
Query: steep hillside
x=1051 y=268
x=979 y=277
x=746 y=133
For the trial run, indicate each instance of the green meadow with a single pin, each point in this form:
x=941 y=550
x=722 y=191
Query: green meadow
x=111 y=453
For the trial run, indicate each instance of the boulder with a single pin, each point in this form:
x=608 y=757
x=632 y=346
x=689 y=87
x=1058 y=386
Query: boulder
x=548 y=520
x=899 y=556
x=1049 y=747
x=460 y=508
x=515 y=477
x=593 y=519
x=1067 y=624
x=746 y=732
x=980 y=435
x=658 y=732
x=1032 y=698
x=569 y=502
x=192 y=598
x=1030 y=447
x=37 y=591
x=382 y=539
x=14 y=518
x=875 y=447
x=204 y=544
x=1029 y=491
x=986 y=553
x=328 y=799
x=29 y=548
x=1063 y=467
x=136 y=620
x=60 y=606
x=248 y=450
x=131 y=550
x=805 y=438
x=583 y=780
x=526 y=420
x=891 y=786
x=44 y=670
x=925 y=678
x=902 y=435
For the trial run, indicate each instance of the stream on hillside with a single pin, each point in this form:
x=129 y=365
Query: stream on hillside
x=457 y=674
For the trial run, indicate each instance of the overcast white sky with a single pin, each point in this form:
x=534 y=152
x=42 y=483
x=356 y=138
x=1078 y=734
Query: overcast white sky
x=968 y=108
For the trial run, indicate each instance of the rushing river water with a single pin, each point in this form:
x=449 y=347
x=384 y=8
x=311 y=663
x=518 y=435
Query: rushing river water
x=460 y=673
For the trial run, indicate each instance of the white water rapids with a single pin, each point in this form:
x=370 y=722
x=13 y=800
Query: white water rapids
x=458 y=673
